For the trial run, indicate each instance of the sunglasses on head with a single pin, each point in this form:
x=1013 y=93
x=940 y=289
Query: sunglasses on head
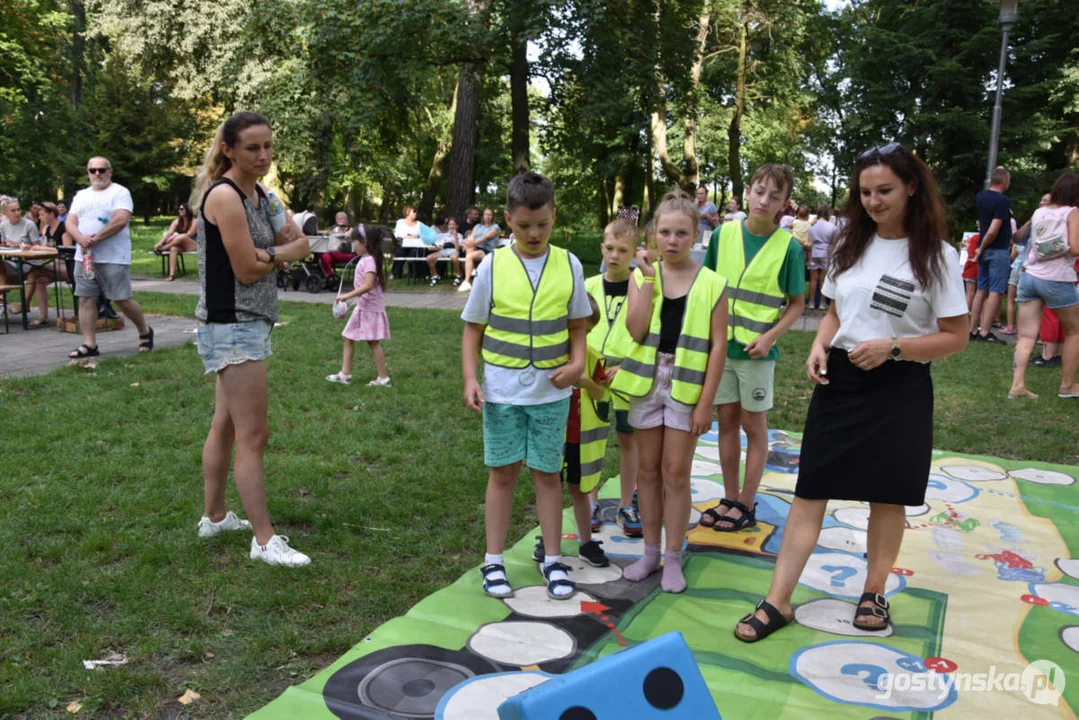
x=880 y=150
x=95 y=171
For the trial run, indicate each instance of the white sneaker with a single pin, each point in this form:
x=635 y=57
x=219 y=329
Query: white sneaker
x=464 y=287
x=209 y=528
x=278 y=552
x=340 y=378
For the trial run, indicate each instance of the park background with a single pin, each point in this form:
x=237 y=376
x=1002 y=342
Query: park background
x=434 y=103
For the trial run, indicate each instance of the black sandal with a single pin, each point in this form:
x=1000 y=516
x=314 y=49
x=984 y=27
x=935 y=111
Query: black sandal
x=775 y=622
x=714 y=516
x=879 y=610
x=749 y=517
x=560 y=582
x=146 y=342
x=490 y=583
x=84 y=351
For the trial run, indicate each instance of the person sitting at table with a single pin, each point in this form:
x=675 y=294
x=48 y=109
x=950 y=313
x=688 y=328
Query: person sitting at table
x=408 y=231
x=55 y=234
x=180 y=237
x=478 y=244
x=326 y=260
x=448 y=247
x=20 y=232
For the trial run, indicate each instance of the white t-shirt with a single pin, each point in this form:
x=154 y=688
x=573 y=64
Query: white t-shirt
x=735 y=216
x=879 y=297
x=409 y=234
x=95 y=209
x=506 y=385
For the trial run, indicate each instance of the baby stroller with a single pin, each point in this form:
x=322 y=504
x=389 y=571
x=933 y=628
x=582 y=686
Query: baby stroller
x=308 y=272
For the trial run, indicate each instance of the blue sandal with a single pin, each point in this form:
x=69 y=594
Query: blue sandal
x=547 y=570
x=489 y=583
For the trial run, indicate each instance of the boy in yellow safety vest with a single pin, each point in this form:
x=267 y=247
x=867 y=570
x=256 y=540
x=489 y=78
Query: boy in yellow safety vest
x=766 y=269
x=611 y=339
x=586 y=450
x=526 y=315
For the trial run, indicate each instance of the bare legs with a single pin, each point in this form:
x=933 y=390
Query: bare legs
x=240 y=420
x=499 y=506
x=990 y=312
x=1030 y=314
x=1069 y=320
x=731 y=418
x=379 y=357
x=816 y=278
x=346 y=357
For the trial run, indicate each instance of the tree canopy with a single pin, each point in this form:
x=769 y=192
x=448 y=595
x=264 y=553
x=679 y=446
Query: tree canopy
x=437 y=103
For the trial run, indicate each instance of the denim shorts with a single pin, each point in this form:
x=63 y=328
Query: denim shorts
x=993 y=268
x=224 y=344
x=1055 y=293
x=533 y=433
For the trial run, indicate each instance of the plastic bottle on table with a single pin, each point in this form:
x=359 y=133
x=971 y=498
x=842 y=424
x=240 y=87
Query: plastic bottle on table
x=88 y=264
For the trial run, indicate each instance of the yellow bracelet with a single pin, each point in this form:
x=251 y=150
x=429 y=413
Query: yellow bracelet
x=650 y=279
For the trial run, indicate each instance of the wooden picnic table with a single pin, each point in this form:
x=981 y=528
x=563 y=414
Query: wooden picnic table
x=20 y=255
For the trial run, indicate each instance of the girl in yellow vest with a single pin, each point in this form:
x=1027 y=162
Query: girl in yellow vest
x=677 y=317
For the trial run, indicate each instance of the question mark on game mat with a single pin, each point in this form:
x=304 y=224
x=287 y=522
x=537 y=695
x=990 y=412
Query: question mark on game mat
x=872 y=673
x=841 y=574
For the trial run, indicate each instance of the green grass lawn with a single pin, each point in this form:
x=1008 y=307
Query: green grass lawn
x=383 y=488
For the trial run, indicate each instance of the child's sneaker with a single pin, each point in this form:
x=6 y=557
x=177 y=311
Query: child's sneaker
x=539 y=553
x=596 y=523
x=464 y=287
x=209 y=528
x=278 y=552
x=593 y=554
x=340 y=378
x=630 y=520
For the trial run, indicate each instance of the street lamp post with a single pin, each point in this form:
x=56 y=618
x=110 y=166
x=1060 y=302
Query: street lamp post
x=1009 y=13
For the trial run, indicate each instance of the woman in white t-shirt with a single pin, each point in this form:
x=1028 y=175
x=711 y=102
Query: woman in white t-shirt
x=1049 y=277
x=897 y=304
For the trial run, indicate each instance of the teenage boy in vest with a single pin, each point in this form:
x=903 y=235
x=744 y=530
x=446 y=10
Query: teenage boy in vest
x=612 y=341
x=527 y=316
x=766 y=268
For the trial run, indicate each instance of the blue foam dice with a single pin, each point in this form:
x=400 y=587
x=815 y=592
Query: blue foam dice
x=656 y=680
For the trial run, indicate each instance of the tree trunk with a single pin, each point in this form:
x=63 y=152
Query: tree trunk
x=689 y=140
x=519 y=105
x=649 y=181
x=461 y=180
x=618 y=198
x=434 y=175
x=659 y=113
x=605 y=204
x=734 y=131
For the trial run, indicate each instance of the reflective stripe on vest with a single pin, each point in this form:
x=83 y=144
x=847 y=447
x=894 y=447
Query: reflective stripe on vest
x=594 y=433
x=691 y=352
x=526 y=325
x=755 y=296
x=610 y=338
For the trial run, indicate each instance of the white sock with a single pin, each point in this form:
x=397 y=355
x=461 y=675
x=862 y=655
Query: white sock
x=489 y=559
x=560 y=590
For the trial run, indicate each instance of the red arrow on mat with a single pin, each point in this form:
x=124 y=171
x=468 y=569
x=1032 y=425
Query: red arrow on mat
x=593 y=607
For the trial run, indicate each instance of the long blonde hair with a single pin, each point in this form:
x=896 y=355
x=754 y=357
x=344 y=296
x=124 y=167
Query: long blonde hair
x=215 y=163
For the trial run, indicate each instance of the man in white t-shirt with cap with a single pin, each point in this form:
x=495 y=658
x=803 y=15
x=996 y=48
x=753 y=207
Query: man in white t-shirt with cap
x=98 y=221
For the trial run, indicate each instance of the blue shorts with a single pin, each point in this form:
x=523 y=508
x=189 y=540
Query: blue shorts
x=993 y=268
x=224 y=344
x=533 y=433
x=1055 y=293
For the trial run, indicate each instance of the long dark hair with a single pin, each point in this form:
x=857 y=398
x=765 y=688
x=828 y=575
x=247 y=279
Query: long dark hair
x=925 y=223
x=1065 y=190
x=373 y=247
x=185 y=219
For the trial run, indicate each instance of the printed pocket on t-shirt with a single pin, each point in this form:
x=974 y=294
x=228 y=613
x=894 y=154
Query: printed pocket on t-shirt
x=892 y=295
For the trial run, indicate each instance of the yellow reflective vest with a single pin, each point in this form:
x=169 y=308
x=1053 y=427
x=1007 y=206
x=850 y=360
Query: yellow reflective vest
x=755 y=298
x=694 y=341
x=526 y=325
x=610 y=338
x=594 y=432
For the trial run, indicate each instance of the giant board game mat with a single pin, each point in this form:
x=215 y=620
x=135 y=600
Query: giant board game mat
x=984 y=598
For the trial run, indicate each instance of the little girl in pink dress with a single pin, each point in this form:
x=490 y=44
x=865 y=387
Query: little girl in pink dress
x=368 y=321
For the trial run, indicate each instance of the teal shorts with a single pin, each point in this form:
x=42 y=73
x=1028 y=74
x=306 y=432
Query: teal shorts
x=533 y=433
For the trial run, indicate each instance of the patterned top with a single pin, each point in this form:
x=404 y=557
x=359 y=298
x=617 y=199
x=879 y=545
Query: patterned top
x=222 y=297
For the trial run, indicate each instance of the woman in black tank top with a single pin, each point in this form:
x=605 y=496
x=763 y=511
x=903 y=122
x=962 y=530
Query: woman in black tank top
x=238 y=252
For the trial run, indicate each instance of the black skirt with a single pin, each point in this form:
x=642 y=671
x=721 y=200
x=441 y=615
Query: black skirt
x=868 y=434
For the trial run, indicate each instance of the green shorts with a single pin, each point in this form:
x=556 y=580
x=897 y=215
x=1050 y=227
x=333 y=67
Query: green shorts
x=533 y=433
x=748 y=382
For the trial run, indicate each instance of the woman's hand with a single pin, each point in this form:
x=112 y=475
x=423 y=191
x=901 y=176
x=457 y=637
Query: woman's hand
x=871 y=353
x=644 y=262
x=817 y=364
